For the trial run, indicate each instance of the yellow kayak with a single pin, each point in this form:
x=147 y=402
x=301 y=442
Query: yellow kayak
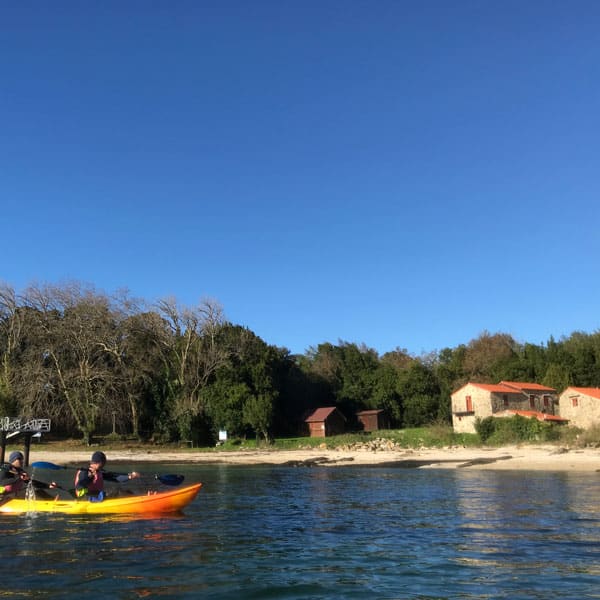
x=153 y=503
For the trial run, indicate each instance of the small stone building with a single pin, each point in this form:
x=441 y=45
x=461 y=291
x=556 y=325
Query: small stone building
x=326 y=421
x=581 y=405
x=480 y=400
x=373 y=420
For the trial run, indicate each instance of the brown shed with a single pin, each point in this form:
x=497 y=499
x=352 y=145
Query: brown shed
x=372 y=420
x=326 y=421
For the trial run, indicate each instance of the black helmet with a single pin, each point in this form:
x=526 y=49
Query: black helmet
x=98 y=457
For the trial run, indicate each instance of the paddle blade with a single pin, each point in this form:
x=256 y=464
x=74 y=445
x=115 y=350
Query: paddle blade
x=41 y=464
x=170 y=479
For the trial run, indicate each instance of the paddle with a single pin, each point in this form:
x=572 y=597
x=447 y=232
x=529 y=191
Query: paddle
x=169 y=479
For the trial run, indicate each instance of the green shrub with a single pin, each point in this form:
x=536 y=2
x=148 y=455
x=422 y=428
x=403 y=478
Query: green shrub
x=512 y=430
x=485 y=428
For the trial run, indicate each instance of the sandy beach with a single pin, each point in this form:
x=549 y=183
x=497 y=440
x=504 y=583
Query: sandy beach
x=521 y=457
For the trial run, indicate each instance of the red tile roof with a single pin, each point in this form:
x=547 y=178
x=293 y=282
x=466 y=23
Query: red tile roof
x=497 y=388
x=594 y=392
x=511 y=387
x=522 y=386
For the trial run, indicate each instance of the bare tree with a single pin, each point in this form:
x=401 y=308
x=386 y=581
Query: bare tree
x=191 y=354
x=74 y=324
x=133 y=350
x=11 y=328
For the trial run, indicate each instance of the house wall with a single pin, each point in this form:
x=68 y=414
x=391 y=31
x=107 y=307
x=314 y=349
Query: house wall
x=373 y=421
x=333 y=425
x=585 y=414
x=369 y=422
x=316 y=429
x=463 y=420
x=521 y=402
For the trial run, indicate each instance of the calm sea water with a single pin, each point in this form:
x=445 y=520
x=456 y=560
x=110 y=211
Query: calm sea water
x=343 y=532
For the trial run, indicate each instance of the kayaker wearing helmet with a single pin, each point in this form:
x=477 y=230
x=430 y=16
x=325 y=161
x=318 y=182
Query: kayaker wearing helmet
x=90 y=481
x=13 y=478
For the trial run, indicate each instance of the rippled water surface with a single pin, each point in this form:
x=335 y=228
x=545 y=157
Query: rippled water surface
x=342 y=532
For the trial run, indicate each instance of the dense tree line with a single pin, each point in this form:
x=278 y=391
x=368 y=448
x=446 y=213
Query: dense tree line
x=95 y=363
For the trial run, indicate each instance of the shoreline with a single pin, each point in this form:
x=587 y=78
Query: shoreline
x=519 y=457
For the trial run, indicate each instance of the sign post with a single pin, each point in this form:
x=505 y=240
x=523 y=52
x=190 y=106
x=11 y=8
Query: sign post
x=13 y=427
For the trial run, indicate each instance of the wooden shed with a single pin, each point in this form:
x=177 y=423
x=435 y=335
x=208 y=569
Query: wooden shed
x=372 y=420
x=325 y=421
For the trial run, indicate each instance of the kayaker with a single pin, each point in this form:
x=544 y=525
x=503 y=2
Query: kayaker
x=13 y=478
x=90 y=481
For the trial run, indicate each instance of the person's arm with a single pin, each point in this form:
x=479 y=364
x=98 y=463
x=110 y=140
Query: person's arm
x=42 y=485
x=119 y=477
x=25 y=478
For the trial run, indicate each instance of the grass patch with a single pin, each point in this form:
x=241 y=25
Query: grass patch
x=430 y=437
x=435 y=436
x=582 y=438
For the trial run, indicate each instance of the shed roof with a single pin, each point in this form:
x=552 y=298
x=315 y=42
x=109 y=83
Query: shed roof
x=321 y=414
x=374 y=411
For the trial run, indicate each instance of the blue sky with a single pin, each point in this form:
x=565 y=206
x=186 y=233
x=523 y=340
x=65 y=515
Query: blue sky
x=403 y=175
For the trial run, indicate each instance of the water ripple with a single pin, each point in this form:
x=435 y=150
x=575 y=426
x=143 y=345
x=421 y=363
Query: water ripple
x=279 y=532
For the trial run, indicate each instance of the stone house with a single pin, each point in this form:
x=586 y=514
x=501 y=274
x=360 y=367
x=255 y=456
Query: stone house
x=581 y=405
x=480 y=400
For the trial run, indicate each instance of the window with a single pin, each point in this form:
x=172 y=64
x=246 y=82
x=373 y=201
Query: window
x=505 y=398
x=469 y=404
x=546 y=401
x=531 y=401
x=575 y=401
